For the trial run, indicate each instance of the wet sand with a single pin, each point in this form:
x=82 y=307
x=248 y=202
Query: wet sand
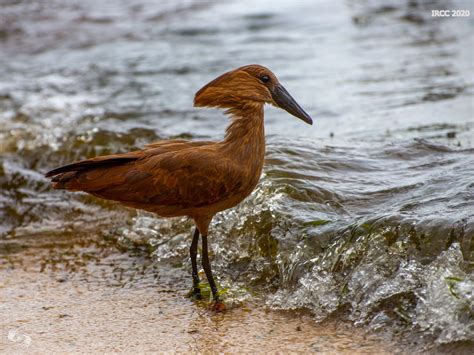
x=90 y=297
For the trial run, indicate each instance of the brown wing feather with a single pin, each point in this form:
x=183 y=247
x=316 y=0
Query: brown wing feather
x=104 y=160
x=165 y=174
x=188 y=178
x=119 y=159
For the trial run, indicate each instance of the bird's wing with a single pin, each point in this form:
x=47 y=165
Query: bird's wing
x=155 y=148
x=159 y=176
x=186 y=178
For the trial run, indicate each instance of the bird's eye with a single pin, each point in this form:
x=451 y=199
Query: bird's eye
x=265 y=78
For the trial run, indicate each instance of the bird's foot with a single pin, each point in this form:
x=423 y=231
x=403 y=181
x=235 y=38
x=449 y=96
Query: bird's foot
x=195 y=293
x=196 y=296
x=218 y=307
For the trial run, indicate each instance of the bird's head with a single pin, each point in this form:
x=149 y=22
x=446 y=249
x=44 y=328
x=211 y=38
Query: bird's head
x=251 y=85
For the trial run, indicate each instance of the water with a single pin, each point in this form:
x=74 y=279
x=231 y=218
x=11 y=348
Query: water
x=367 y=216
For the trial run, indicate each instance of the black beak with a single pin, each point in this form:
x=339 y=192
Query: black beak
x=284 y=100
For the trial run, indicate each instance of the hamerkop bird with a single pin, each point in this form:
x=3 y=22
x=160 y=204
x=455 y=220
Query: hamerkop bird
x=196 y=179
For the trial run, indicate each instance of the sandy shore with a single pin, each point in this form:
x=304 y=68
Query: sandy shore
x=81 y=297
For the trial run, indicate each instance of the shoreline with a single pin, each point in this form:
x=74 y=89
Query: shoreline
x=89 y=299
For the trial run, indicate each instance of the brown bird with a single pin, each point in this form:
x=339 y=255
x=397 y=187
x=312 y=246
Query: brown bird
x=196 y=179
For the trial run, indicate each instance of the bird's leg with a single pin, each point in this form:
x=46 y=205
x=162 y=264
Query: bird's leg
x=207 y=269
x=193 y=253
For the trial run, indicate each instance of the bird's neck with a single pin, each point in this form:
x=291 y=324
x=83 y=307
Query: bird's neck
x=245 y=136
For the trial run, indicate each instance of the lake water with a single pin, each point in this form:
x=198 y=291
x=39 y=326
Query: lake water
x=368 y=215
